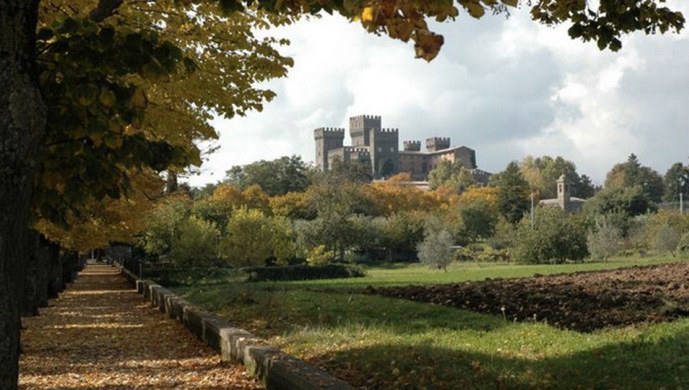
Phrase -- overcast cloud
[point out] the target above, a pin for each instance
(506, 88)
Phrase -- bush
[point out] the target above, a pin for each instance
(303, 272)
(667, 239)
(683, 245)
(435, 250)
(195, 244)
(604, 241)
(554, 237)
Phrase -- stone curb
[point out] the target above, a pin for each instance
(277, 369)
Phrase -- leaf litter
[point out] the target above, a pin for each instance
(100, 334)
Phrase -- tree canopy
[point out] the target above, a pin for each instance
(543, 172)
(276, 177)
(603, 22)
(632, 174)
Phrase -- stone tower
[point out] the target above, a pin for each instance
(327, 139)
(360, 128)
(366, 130)
(434, 144)
(563, 196)
(385, 154)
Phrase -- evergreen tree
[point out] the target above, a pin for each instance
(514, 194)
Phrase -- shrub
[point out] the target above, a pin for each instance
(435, 250)
(683, 245)
(303, 272)
(554, 237)
(604, 241)
(318, 256)
(667, 239)
(195, 244)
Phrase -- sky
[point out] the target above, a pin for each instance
(505, 87)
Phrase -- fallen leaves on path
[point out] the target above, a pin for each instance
(100, 334)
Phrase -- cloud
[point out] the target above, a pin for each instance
(504, 87)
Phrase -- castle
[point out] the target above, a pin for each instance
(378, 148)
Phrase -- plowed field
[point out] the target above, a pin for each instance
(582, 301)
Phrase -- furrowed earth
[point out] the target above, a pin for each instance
(582, 301)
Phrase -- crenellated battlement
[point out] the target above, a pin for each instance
(368, 117)
(437, 143)
(360, 151)
(412, 146)
(329, 132)
(389, 131)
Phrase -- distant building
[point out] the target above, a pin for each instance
(564, 200)
(379, 148)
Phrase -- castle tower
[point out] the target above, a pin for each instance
(563, 193)
(360, 128)
(412, 146)
(385, 154)
(437, 143)
(327, 139)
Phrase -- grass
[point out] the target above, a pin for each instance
(386, 343)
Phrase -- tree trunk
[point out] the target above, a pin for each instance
(29, 297)
(22, 125)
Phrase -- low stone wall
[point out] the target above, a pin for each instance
(277, 369)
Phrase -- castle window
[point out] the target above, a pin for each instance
(392, 149)
(380, 148)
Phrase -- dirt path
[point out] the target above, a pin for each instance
(100, 334)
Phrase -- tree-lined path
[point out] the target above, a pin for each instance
(100, 334)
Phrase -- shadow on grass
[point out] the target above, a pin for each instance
(641, 364)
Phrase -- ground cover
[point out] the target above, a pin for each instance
(101, 335)
(381, 342)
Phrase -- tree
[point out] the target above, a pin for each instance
(23, 112)
(403, 233)
(451, 174)
(676, 182)
(632, 174)
(604, 240)
(554, 237)
(543, 172)
(435, 249)
(195, 243)
(277, 177)
(513, 196)
(478, 219)
(619, 205)
(162, 224)
(250, 238)
(667, 239)
(395, 195)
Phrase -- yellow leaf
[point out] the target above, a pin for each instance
(367, 14)
(139, 99)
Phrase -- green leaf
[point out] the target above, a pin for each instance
(86, 94)
(44, 34)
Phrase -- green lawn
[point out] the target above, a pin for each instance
(387, 343)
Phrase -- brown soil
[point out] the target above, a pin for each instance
(582, 301)
(100, 334)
